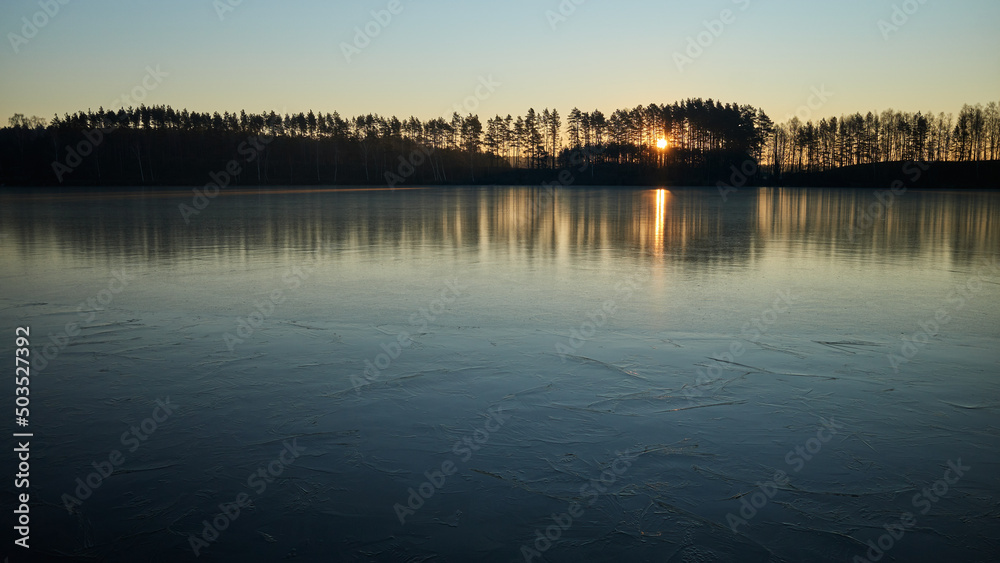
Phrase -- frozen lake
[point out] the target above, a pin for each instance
(453, 374)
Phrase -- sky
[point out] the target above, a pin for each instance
(431, 57)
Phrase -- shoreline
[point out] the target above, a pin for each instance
(970, 175)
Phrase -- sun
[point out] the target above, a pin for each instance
(661, 143)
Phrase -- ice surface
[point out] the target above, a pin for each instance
(490, 293)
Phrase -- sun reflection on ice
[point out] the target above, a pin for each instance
(661, 212)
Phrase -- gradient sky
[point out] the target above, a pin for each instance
(287, 56)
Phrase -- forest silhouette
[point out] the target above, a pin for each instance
(690, 142)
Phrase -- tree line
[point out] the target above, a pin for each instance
(889, 136)
(694, 140)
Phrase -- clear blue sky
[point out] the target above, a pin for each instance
(287, 56)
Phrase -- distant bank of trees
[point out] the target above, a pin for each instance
(973, 135)
(149, 145)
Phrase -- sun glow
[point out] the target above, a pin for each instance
(661, 143)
